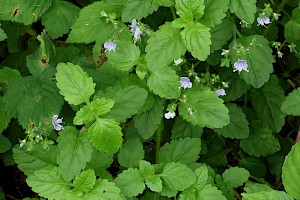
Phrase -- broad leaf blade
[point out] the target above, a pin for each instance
(48, 183)
(59, 18)
(147, 122)
(85, 181)
(261, 141)
(165, 83)
(221, 34)
(215, 11)
(208, 110)
(292, 27)
(164, 46)
(259, 59)
(291, 103)
(131, 153)
(197, 40)
(235, 177)
(290, 171)
(5, 119)
(267, 102)
(130, 182)
(32, 101)
(245, 10)
(184, 150)
(238, 127)
(23, 11)
(74, 151)
(183, 129)
(105, 135)
(74, 83)
(138, 9)
(5, 144)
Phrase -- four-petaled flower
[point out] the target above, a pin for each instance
(57, 123)
(134, 28)
(263, 21)
(169, 115)
(221, 92)
(110, 46)
(185, 82)
(241, 65)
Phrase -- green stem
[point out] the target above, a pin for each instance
(158, 140)
(173, 12)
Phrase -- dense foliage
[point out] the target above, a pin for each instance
(150, 99)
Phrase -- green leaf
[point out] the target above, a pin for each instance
(208, 110)
(74, 83)
(147, 122)
(190, 9)
(260, 54)
(90, 24)
(291, 173)
(267, 102)
(90, 112)
(238, 127)
(202, 176)
(290, 104)
(221, 34)
(99, 161)
(59, 18)
(105, 135)
(215, 11)
(165, 83)
(245, 10)
(237, 86)
(270, 195)
(5, 119)
(184, 150)
(3, 35)
(183, 129)
(5, 144)
(164, 46)
(255, 166)
(74, 150)
(235, 177)
(48, 183)
(32, 101)
(7, 77)
(292, 27)
(130, 182)
(177, 176)
(36, 158)
(208, 192)
(138, 9)
(166, 3)
(131, 153)
(154, 183)
(104, 190)
(38, 62)
(125, 57)
(85, 181)
(128, 101)
(251, 187)
(261, 141)
(146, 168)
(197, 40)
(23, 11)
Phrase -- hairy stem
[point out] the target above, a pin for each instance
(158, 140)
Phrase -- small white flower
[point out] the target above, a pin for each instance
(110, 46)
(190, 111)
(185, 82)
(263, 21)
(221, 92)
(241, 65)
(57, 123)
(178, 61)
(169, 115)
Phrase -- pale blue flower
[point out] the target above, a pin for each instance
(169, 115)
(241, 65)
(56, 122)
(110, 46)
(263, 21)
(135, 29)
(221, 92)
(185, 82)
(133, 25)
